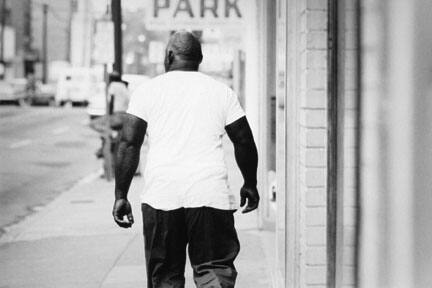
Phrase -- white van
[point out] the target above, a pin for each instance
(76, 85)
(14, 90)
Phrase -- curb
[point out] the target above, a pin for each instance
(13, 231)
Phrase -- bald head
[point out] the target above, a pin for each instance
(183, 49)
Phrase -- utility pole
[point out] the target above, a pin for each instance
(72, 6)
(29, 56)
(2, 38)
(117, 19)
(45, 43)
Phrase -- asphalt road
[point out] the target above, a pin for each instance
(43, 152)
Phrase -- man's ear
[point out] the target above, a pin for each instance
(170, 57)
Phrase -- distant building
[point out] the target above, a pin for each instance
(82, 34)
(70, 31)
(58, 19)
(19, 20)
(16, 36)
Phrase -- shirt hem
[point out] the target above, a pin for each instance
(218, 207)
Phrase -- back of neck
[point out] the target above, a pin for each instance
(183, 66)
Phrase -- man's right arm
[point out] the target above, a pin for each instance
(247, 159)
(127, 159)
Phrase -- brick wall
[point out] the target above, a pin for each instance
(307, 219)
(313, 139)
(312, 150)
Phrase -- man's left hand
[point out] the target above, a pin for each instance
(249, 193)
(121, 209)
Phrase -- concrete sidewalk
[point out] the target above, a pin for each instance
(73, 242)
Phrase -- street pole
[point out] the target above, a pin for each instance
(117, 67)
(107, 151)
(45, 43)
(117, 19)
(2, 37)
(107, 134)
(28, 53)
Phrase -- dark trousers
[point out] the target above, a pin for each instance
(212, 246)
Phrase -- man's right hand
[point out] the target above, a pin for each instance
(251, 195)
(127, 159)
(121, 209)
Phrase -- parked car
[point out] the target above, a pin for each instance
(14, 91)
(43, 94)
(76, 85)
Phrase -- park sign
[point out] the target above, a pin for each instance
(195, 14)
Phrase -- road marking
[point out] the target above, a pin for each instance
(60, 130)
(20, 144)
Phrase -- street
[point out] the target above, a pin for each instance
(44, 151)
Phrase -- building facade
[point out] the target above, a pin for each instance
(26, 18)
(58, 19)
(350, 206)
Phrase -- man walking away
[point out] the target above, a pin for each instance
(186, 198)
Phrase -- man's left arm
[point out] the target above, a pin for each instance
(127, 160)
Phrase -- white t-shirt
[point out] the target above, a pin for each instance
(186, 113)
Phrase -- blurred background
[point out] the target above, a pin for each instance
(56, 55)
(338, 95)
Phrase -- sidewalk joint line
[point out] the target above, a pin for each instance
(117, 259)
